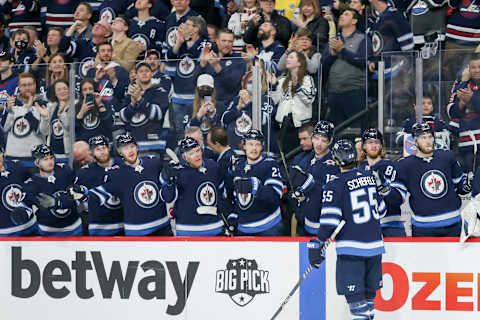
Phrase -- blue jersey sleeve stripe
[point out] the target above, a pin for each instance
(407, 47)
(405, 37)
(331, 210)
(274, 182)
(331, 221)
(279, 191)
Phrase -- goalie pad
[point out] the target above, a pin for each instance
(470, 219)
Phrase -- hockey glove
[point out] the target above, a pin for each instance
(77, 192)
(315, 256)
(20, 215)
(170, 172)
(465, 188)
(297, 176)
(299, 196)
(47, 201)
(245, 185)
(383, 184)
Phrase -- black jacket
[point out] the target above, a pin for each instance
(284, 30)
(319, 28)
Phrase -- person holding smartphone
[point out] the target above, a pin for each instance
(204, 113)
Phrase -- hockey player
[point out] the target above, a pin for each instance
(433, 178)
(353, 198)
(194, 187)
(57, 213)
(16, 219)
(258, 189)
(106, 219)
(309, 184)
(135, 182)
(384, 172)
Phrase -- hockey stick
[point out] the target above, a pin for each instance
(472, 136)
(169, 206)
(309, 269)
(172, 155)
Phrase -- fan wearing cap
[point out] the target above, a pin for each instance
(145, 114)
(384, 171)
(434, 180)
(146, 29)
(16, 218)
(57, 213)
(195, 188)
(258, 188)
(134, 181)
(204, 113)
(152, 57)
(106, 219)
(189, 44)
(8, 78)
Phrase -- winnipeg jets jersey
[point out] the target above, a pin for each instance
(320, 172)
(196, 196)
(353, 197)
(393, 200)
(150, 32)
(106, 219)
(11, 188)
(431, 182)
(62, 221)
(260, 211)
(138, 188)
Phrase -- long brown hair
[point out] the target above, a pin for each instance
(65, 68)
(314, 4)
(197, 105)
(302, 71)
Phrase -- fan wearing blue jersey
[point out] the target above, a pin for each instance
(384, 172)
(258, 189)
(352, 197)
(434, 180)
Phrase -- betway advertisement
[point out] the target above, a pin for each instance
(155, 279)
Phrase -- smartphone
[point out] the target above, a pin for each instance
(89, 98)
(207, 99)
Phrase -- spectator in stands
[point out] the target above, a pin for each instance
(208, 10)
(22, 14)
(145, 29)
(8, 79)
(239, 20)
(302, 42)
(359, 6)
(186, 51)
(25, 112)
(269, 49)
(212, 35)
(44, 53)
(226, 67)
(144, 114)
(125, 50)
(32, 31)
(464, 110)
(93, 118)
(4, 40)
(85, 50)
(294, 95)
(81, 155)
(344, 61)
(110, 9)
(24, 55)
(310, 17)
(152, 57)
(59, 13)
(110, 76)
(57, 127)
(81, 25)
(57, 69)
(268, 13)
(204, 113)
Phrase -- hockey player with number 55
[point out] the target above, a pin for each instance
(353, 198)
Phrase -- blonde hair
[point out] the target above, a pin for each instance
(314, 4)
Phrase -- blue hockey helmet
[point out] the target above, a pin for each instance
(372, 133)
(420, 128)
(99, 140)
(253, 134)
(344, 152)
(324, 128)
(187, 144)
(124, 139)
(41, 151)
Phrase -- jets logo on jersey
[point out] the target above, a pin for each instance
(60, 213)
(329, 162)
(146, 194)
(19, 10)
(206, 195)
(140, 37)
(57, 129)
(21, 127)
(186, 66)
(470, 9)
(245, 200)
(434, 184)
(377, 43)
(106, 90)
(113, 203)
(172, 36)
(91, 121)
(420, 8)
(12, 195)
(85, 65)
(3, 98)
(243, 124)
(107, 14)
(138, 119)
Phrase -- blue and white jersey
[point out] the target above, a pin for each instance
(150, 32)
(432, 184)
(353, 197)
(463, 25)
(103, 219)
(110, 9)
(62, 221)
(82, 51)
(138, 188)
(196, 196)
(320, 171)
(260, 210)
(271, 55)
(393, 200)
(11, 187)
